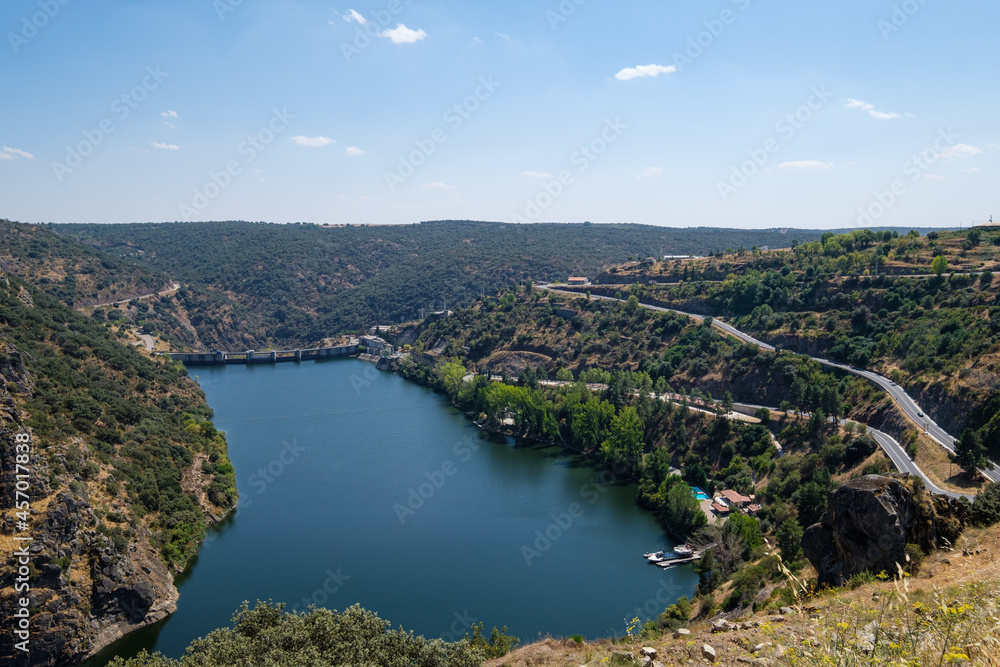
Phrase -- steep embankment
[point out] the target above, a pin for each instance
(111, 433)
(921, 310)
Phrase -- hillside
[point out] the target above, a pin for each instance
(249, 285)
(123, 469)
(929, 318)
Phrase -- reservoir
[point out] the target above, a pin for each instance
(358, 487)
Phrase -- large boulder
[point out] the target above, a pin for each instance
(867, 525)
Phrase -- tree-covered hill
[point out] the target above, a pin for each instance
(922, 310)
(76, 274)
(118, 463)
(262, 284)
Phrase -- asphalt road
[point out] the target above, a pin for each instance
(902, 399)
(173, 288)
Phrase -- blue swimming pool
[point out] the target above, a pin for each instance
(699, 494)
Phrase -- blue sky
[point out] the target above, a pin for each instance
(730, 113)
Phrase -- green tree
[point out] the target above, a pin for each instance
(624, 443)
(939, 265)
(681, 510)
(810, 499)
(970, 452)
(789, 540)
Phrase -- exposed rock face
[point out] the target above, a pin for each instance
(85, 591)
(868, 523)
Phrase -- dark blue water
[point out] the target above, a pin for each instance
(359, 487)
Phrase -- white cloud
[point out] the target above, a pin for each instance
(536, 174)
(972, 170)
(962, 150)
(354, 151)
(166, 147)
(313, 142)
(403, 35)
(169, 114)
(883, 115)
(9, 153)
(437, 186)
(993, 146)
(870, 108)
(505, 36)
(806, 165)
(353, 15)
(630, 73)
(477, 42)
(935, 177)
(651, 172)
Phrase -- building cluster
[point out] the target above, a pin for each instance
(377, 346)
(728, 502)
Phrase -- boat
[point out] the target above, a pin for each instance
(660, 556)
(684, 550)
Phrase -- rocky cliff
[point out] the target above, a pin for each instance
(78, 539)
(869, 522)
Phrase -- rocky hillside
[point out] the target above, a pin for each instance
(95, 440)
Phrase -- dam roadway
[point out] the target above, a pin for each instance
(905, 402)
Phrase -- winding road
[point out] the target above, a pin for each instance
(892, 448)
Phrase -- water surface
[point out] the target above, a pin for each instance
(359, 487)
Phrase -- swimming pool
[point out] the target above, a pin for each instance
(698, 493)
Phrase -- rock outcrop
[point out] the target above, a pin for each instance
(870, 520)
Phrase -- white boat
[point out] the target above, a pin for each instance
(683, 550)
(660, 556)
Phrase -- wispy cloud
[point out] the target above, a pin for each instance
(477, 42)
(870, 108)
(651, 172)
(165, 147)
(9, 153)
(504, 35)
(536, 174)
(169, 114)
(437, 185)
(972, 170)
(403, 35)
(962, 150)
(630, 73)
(354, 151)
(806, 165)
(993, 146)
(313, 142)
(935, 177)
(353, 15)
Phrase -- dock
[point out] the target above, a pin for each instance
(667, 564)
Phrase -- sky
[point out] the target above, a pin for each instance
(722, 113)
